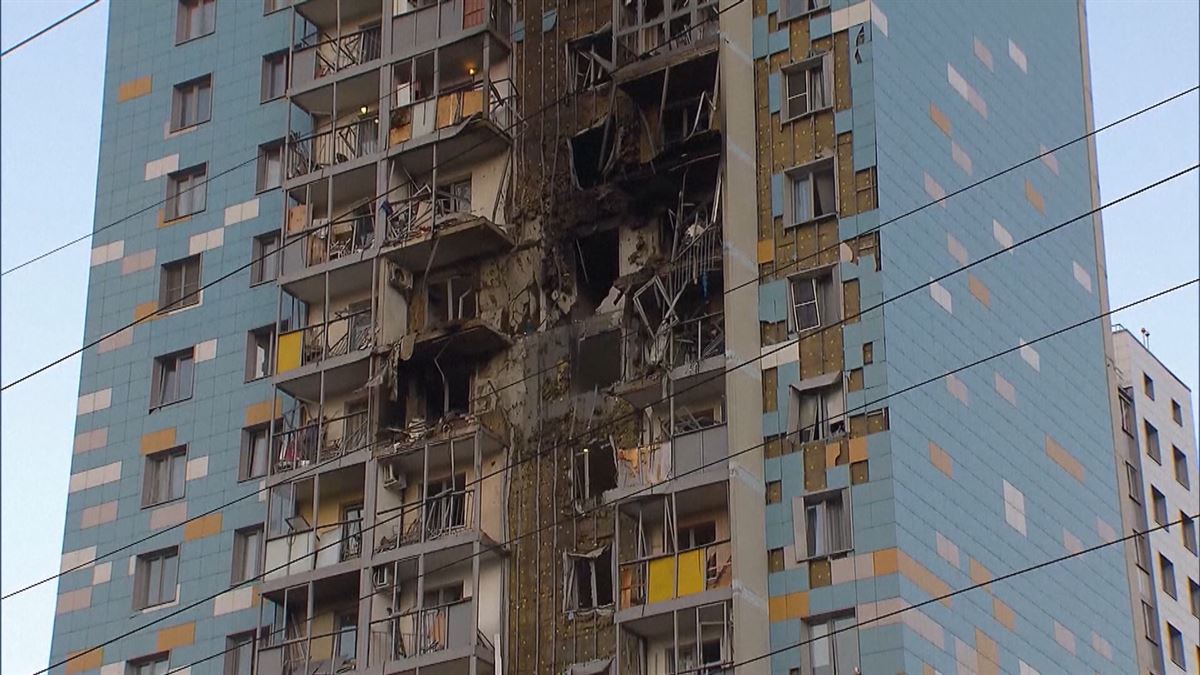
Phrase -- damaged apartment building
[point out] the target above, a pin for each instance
(577, 362)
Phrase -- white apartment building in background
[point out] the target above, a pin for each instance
(1162, 485)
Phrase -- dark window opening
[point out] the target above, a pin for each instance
(597, 266)
(598, 362)
(448, 390)
(595, 470)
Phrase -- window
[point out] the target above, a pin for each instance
(1133, 477)
(1194, 595)
(696, 536)
(816, 413)
(274, 5)
(186, 192)
(1175, 644)
(708, 660)
(831, 652)
(815, 301)
(1150, 622)
(158, 664)
(806, 87)
(454, 197)
(1189, 532)
(173, 378)
(165, 476)
(589, 61)
(1159, 501)
(179, 283)
(255, 452)
(264, 260)
(824, 524)
(1148, 386)
(1176, 412)
(239, 654)
(595, 470)
(790, 9)
(247, 554)
(1166, 570)
(589, 580)
(450, 299)
(196, 18)
(1140, 547)
(270, 165)
(274, 76)
(1181, 468)
(347, 635)
(260, 344)
(1152, 447)
(1126, 414)
(155, 577)
(812, 193)
(191, 103)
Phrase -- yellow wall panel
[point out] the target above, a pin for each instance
(288, 355)
(661, 585)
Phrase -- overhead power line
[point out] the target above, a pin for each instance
(47, 29)
(903, 294)
(606, 504)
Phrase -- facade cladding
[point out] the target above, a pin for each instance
(1158, 487)
(525, 390)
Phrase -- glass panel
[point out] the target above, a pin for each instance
(185, 377)
(801, 199)
(178, 467)
(170, 568)
(820, 647)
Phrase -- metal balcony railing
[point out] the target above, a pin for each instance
(652, 464)
(697, 339)
(425, 631)
(320, 441)
(414, 119)
(436, 517)
(326, 242)
(675, 575)
(340, 336)
(327, 54)
(344, 142)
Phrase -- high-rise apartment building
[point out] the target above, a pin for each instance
(560, 350)
(1159, 488)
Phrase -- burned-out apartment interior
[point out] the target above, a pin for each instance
(500, 436)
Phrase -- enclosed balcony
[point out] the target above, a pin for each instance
(322, 54)
(687, 459)
(652, 31)
(436, 228)
(314, 527)
(329, 356)
(334, 127)
(674, 552)
(319, 440)
(310, 628)
(419, 25)
(695, 640)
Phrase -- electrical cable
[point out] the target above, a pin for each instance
(49, 28)
(367, 529)
(702, 467)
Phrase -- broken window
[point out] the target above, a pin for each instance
(455, 197)
(823, 524)
(590, 60)
(597, 264)
(447, 389)
(697, 536)
(591, 153)
(816, 411)
(598, 362)
(814, 300)
(587, 580)
(450, 299)
(682, 118)
(707, 660)
(594, 471)
(446, 505)
(812, 193)
(791, 9)
(806, 87)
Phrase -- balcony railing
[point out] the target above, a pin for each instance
(344, 142)
(320, 441)
(419, 24)
(320, 55)
(652, 464)
(697, 339)
(673, 575)
(425, 631)
(326, 242)
(414, 119)
(322, 653)
(311, 344)
(682, 24)
(436, 517)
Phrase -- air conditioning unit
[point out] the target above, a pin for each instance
(392, 479)
(381, 577)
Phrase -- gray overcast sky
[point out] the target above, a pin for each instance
(50, 98)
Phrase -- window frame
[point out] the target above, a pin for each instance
(1157, 498)
(823, 63)
(182, 21)
(234, 644)
(826, 298)
(158, 384)
(1148, 386)
(262, 182)
(253, 338)
(587, 69)
(785, 13)
(188, 294)
(1188, 533)
(186, 98)
(135, 666)
(267, 91)
(1150, 623)
(246, 458)
(1153, 442)
(241, 537)
(141, 581)
(1175, 640)
(801, 508)
(1194, 596)
(171, 458)
(1180, 465)
(1166, 573)
(830, 624)
(1133, 479)
(261, 261)
(190, 184)
(807, 173)
(572, 597)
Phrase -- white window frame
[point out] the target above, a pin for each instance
(270, 166)
(815, 75)
(144, 571)
(248, 546)
(821, 638)
(571, 595)
(246, 463)
(274, 76)
(820, 420)
(826, 298)
(176, 290)
(165, 474)
(461, 293)
(817, 505)
(802, 180)
(187, 192)
(175, 360)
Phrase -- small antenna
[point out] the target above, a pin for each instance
(1146, 338)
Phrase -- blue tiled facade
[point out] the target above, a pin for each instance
(144, 64)
(1008, 463)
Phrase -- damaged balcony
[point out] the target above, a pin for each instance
(310, 628)
(334, 126)
(303, 439)
(659, 32)
(448, 326)
(327, 358)
(694, 456)
(694, 640)
(446, 222)
(334, 222)
(314, 528)
(674, 553)
(456, 101)
(419, 25)
(435, 616)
